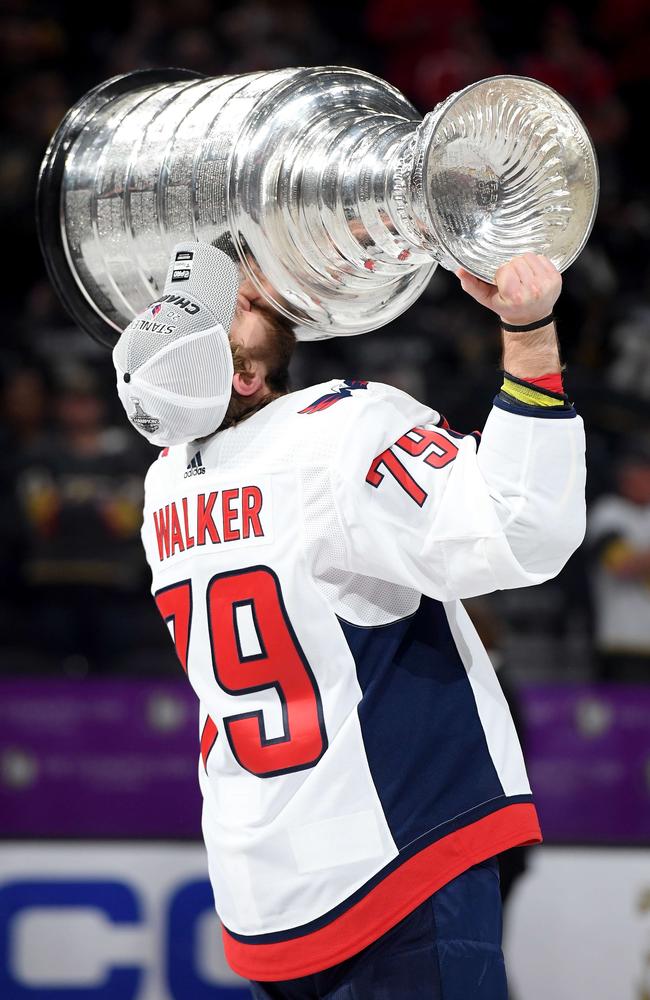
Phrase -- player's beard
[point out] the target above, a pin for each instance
(275, 352)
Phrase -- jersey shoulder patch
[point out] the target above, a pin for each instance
(340, 391)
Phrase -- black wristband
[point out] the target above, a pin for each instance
(528, 327)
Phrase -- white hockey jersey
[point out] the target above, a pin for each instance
(356, 750)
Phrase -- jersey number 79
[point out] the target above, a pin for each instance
(415, 442)
(254, 597)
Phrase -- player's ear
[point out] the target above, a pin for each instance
(247, 383)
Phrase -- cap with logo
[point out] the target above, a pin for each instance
(173, 362)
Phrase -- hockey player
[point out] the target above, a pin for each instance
(309, 550)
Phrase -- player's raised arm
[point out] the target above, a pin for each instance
(541, 500)
(438, 513)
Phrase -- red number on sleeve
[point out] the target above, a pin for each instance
(392, 464)
(415, 442)
(443, 451)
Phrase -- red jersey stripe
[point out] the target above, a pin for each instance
(389, 902)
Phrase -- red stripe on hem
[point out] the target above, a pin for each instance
(389, 902)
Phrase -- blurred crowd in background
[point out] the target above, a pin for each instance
(74, 588)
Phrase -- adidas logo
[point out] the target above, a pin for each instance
(195, 467)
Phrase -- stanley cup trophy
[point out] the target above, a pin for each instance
(325, 183)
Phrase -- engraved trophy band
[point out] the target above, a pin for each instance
(337, 198)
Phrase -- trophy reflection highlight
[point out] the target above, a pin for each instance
(324, 182)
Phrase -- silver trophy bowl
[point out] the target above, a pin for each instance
(336, 197)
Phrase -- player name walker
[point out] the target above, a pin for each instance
(209, 519)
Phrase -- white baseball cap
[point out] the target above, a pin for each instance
(173, 362)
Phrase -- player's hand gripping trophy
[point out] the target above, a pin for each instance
(324, 183)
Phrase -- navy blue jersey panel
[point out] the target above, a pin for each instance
(423, 737)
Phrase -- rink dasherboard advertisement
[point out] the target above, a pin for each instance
(83, 921)
(136, 921)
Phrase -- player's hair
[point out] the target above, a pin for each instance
(275, 352)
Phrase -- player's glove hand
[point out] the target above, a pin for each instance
(525, 289)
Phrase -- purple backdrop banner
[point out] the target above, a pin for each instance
(119, 758)
(99, 758)
(588, 754)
